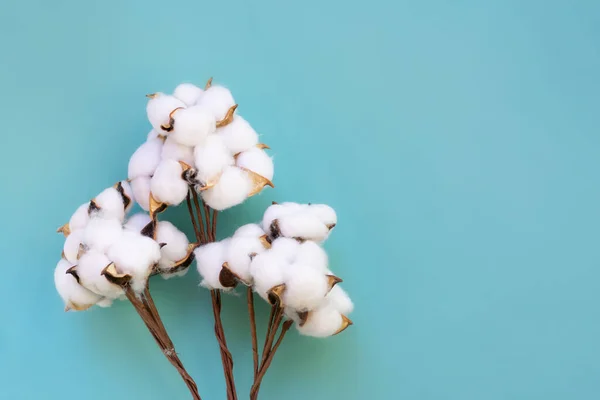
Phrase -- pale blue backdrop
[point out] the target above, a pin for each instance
(458, 141)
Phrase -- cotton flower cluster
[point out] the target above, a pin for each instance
(198, 141)
(104, 253)
(283, 261)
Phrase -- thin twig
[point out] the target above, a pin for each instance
(207, 221)
(277, 313)
(199, 213)
(250, 298)
(226, 358)
(192, 217)
(214, 224)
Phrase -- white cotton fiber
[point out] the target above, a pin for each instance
(90, 268)
(177, 274)
(100, 234)
(145, 159)
(71, 246)
(313, 255)
(167, 185)
(176, 247)
(231, 189)
(286, 248)
(238, 255)
(172, 150)
(188, 93)
(256, 160)
(238, 135)
(339, 299)
(111, 204)
(104, 303)
(322, 322)
(135, 254)
(159, 108)
(152, 134)
(325, 213)
(266, 270)
(211, 158)
(192, 126)
(128, 193)
(74, 295)
(209, 260)
(302, 226)
(80, 218)
(305, 287)
(218, 100)
(276, 211)
(251, 230)
(141, 191)
(137, 222)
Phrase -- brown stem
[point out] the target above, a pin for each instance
(199, 213)
(263, 370)
(250, 298)
(192, 217)
(214, 224)
(151, 318)
(275, 320)
(207, 221)
(226, 358)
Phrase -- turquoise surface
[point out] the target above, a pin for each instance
(457, 140)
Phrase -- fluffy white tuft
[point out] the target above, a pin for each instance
(322, 322)
(305, 287)
(313, 255)
(167, 185)
(218, 100)
(176, 244)
(211, 158)
(141, 191)
(231, 189)
(209, 260)
(90, 268)
(72, 293)
(152, 134)
(175, 274)
(339, 299)
(276, 211)
(192, 126)
(251, 230)
(100, 234)
(71, 246)
(135, 254)
(325, 213)
(111, 204)
(80, 218)
(137, 222)
(238, 135)
(238, 255)
(286, 247)
(145, 159)
(172, 150)
(256, 160)
(104, 303)
(188, 93)
(303, 226)
(159, 108)
(267, 271)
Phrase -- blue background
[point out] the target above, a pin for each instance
(457, 140)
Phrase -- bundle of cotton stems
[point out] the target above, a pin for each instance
(282, 260)
(107, 256)
(200, 150)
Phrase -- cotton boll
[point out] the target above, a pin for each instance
(339, 299)
(325, 213)
(137, 222)
(266, 270)
(126, 192)
(238, 255)
(80, 218)
(218, 100)
(72, 245)
(104, 303)
(313, 255)
(238, 135)
(276, 211)
(145, 159)
(286, 248)
(209, 260)
(305, 287)
(250, 230)
(111, 204)
(256, 160)
(100, 234)
(176, 247)
(322, 322)
(172, 150)
(188, 93)
(231, 189)
(141, 191)
(167, 185)
(90, 268)
(135, 255)
(152, 134)
(192, 125)
(74, 295)
(159, 109)
(302, 226)
(211, 158)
